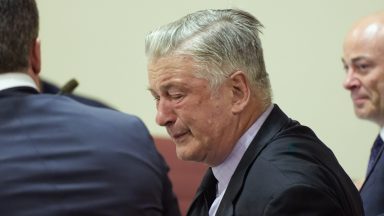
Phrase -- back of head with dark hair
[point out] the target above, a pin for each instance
(19, 27)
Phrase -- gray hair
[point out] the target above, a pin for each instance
(220, 42)
(19, 27)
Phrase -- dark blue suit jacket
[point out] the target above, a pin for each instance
(286, 171)
(60, 157)
(372, 191)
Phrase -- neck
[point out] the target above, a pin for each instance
(252, 113)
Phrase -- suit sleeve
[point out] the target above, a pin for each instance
(169, 199)
(303, 200)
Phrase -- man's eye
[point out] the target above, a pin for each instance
(156, 98)
(176, 96)
(362, 66)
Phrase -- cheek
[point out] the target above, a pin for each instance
(217, 121)
(376, 90)
(380, 86)
(374, 81)
(205, 116)
(204, 125)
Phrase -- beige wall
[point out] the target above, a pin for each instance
(101, 43)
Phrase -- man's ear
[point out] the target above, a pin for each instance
(35, 58)
(241, 91)
(34, 61)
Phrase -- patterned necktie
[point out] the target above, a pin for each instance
(374, 152)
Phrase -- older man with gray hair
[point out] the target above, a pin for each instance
(206, 72)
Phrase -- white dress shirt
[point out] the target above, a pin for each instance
(223, 172)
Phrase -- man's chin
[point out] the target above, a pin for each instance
(185, 154)
(184, 157)
(363, 114)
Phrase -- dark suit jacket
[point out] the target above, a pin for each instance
(372, 191)
(286, 170)
(60, 157)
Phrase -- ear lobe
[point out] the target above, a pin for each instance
(241, 91)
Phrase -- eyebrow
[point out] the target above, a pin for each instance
(151, 90)
(343, 60)
(164, 88)
(356, 59)
(359, 58)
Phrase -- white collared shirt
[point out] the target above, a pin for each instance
(223, 172)
(16, 79)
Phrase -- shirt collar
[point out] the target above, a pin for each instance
(16, 79)
(382, 133)
(224, 171)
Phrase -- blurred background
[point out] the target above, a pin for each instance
(101, 44)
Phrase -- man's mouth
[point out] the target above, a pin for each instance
(178, 135)
(358, 100)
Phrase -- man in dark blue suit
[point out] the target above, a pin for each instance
(206, 72)
(60, 157)
(364, 65)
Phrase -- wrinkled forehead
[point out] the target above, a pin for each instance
(170, 68)
(173, 63)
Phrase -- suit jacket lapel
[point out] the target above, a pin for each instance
(273, 124)
(373, 167)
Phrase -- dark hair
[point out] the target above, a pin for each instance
(19, 27)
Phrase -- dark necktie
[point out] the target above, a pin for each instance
(205, 196)
(210, 193)
(374, 153)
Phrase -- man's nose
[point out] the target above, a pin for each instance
(165, 113)
(351, 80)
